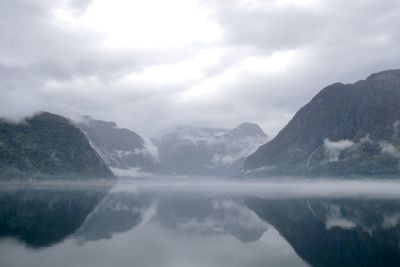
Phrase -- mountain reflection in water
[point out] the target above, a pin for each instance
(151, 225)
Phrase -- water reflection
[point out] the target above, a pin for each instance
(184, 213)
(152, 227)
(116, 213)
(337, 232)
(41, 217)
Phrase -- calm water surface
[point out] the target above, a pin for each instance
(183, 222)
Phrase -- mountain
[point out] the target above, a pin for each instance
(120, 148)
(206, 151)
(47, 145)
(346, 129)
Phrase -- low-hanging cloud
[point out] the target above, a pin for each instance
(389, 149)
(334, 148)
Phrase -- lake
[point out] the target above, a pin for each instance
(200, 222)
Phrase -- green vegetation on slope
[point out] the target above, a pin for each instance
(47, 145)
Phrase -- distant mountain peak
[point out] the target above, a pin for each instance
(208, 151)
(91, 121)
(197, 131)
(248, 129)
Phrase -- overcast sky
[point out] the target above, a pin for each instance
(152, 64)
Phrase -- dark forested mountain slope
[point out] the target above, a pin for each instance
(346, 129)
(47, 144)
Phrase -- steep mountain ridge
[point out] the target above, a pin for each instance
(120, 148)
(47, 145)
(346, 129)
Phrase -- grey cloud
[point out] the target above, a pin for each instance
(270, 28)
(335, 40)
(342, 41)
(36, 51)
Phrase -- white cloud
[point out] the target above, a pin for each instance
(151, 23)
(389, 149)
(336, 219)
(339, 223)
(333, 148)
(131, 173)
(151, 148)
(234, 151)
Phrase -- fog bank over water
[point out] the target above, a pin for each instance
(275, 188)
(272, 187)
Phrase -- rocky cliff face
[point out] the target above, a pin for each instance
(346, 129)
(47, 145)
(120, 148)
(204, 151)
